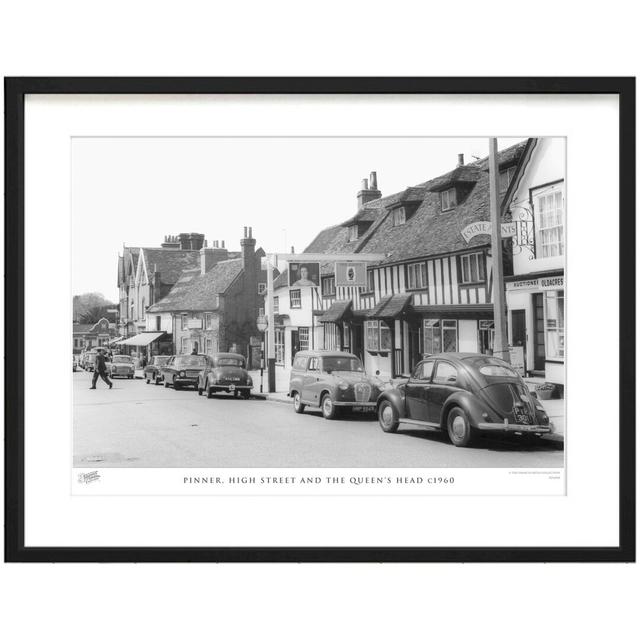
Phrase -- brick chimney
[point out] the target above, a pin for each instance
(369, 190)
(197, 240)
(210, 256)
(250, 267)
(461, 159)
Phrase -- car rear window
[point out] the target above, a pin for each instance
(338, 363)
(300, 362)
(190, 361)
(497, 370)
(229, 362)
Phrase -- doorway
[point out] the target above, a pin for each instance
(538, 332)
(295, 343)
(519, 331)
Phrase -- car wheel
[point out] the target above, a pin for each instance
(148, 381)
(209, 392)
(329, 410)
(458, 428)
(156, 380)
(298, 407)
(388, 417)
(166, 384)
(176, 386)
(199, 391)
(246, 394)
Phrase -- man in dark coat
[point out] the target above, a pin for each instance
(100, 370)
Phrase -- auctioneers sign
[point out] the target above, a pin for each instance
(483, 227)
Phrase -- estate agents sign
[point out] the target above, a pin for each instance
(483, 227)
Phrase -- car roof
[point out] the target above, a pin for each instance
(226, 353)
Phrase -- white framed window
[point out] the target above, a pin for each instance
(331, 336)
(417, 275)
(329, 286)
(448, 199)
(472, 268)
(279, 345)
(554, 324)
(262, 287)
(370, 281)
(440, 335)
(208, 320)
(295, 299)
(353, 233)
(184, 344)
(276, 304)
(506, 175)
(303, 338)
(399, 217)
(549, 206)
(183, 322)
(377, 336)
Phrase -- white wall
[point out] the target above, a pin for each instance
(468, 335)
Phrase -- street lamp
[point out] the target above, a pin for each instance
(262, 323)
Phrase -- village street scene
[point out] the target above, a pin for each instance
(425, 329)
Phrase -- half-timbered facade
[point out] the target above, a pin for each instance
(433, 291)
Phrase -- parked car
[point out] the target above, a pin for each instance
(153, 371)
(88, 360)
(122, 366)
(75, 364)
(225, 372)
(332, 381)
(463, 394)
(183, 371)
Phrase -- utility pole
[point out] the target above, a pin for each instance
(271, 332)
(500, 343)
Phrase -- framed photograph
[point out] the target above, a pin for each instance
(320, 319)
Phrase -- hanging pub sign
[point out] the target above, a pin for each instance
(351, 274)
(304, 274)
(507, 229)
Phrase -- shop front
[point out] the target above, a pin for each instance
(536, 304)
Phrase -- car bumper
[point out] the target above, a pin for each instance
(230, 387)
(179, 380)
(344, 403)
(516, 428)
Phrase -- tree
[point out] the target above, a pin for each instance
(86, 304)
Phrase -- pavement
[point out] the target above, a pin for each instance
(140, 425)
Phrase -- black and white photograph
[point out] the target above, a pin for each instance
(360, 323)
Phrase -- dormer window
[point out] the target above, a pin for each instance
(399, 217)
(353, 233)
(506, 175)
(448, 199)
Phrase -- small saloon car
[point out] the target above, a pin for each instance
(463, 394)
(152, 372)
(183, 370)
(225, 372)
(332, 381)
(121, 366)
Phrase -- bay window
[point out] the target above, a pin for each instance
(377, 336)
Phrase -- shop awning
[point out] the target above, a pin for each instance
(337, 312)
(390, 307)
(116, 340)
(454, 311)
(142, 339)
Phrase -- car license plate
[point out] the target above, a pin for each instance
(364, 409)
(521, 416)
(232, 387)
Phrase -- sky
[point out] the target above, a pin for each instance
(134, 191)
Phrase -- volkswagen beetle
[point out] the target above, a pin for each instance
(332, 381)
(463, 394)
(225, 372)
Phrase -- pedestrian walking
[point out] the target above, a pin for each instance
(100, 369)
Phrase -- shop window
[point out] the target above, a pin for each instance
(486, 336)
(329, 286)
(378, 336)
(440, 335)
(472, 267)
(295, 299)
(303, 338)
(448, 199)
(417, 276)
(554, 323)
(279, 345)
(550, 223)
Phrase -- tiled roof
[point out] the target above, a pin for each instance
(391, 307)
(170, 263)
(337, 311)
(195, 292)
(282, 280)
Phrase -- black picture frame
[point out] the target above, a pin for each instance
(15, 91)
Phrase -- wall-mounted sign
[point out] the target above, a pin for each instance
(516, 356)
(483, 227)
(304, 274)
(553, 282)
(351, 274)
